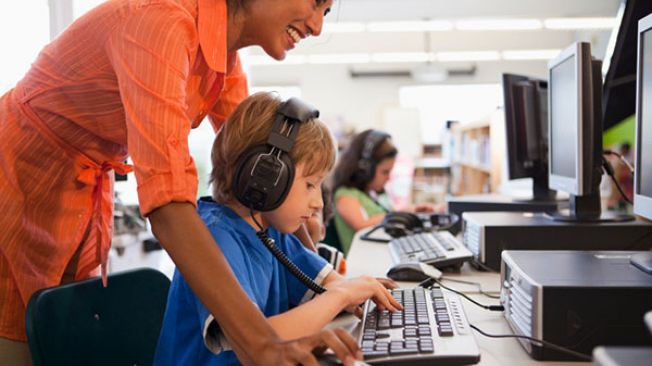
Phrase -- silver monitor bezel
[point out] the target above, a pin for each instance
(642, 203)
(575, 185)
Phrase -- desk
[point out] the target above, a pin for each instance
(374, 259)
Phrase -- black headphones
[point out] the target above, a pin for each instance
(264, 173)
(398, 224)
(367, 165)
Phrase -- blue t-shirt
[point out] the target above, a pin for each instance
(190, 335)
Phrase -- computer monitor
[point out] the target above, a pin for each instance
(643, 151)
(526, 125)
(619, 90)
(575, 125)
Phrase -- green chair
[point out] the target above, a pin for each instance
(332, 238)
(83, 323)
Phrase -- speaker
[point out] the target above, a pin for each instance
(367, 165)
(264, 173)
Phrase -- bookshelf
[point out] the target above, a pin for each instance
(477, 156)
(431, 177)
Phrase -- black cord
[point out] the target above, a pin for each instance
(285, 261)
(366, 236)
(430, 282)
(622, 158)
(608, 168)
(476, 284)
(540, 342)
(482, 266)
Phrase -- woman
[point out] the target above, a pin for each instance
(359, 184)
(132, 77)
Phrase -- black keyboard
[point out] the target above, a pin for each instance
(431, 329)
(439, 249)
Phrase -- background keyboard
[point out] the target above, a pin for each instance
(438, 248)
(432, 329)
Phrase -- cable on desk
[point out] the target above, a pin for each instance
(482, 266)
(476, 284)
(539, 342)
(429, 283)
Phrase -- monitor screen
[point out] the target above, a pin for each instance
(563, 118)
(644, 166)
(526, 125)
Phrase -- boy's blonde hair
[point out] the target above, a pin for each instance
(250, 125)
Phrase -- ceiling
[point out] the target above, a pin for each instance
(438, 44)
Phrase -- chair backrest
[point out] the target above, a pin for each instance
(332, 238)
(83, 323)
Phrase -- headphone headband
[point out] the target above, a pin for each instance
(367, 164)
(371, 143)
(293, 111)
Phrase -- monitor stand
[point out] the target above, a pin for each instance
(643, 261)
(587, 209)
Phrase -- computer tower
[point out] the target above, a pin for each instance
(487, 234)
(574, 299)
(497, 202)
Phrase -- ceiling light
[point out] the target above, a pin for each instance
(469, 56)
(343, 58)
(498, 24)
(401, 57)
(429, 73)
(410, 26)
(580, 23)
(343, 27)
(530, 54)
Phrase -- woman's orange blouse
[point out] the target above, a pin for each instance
(131, 77)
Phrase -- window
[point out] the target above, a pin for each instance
(24, 30)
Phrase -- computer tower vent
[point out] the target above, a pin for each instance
(519, 307)
(472, 238)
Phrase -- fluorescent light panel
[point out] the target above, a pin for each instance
(410, 26)
(344, 27)
(498, 24)
(469, 56)
(388, 57)
(579, 23)
(471, 25)
(518, 55)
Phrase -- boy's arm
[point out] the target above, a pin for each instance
(185, 237)
(309, 317)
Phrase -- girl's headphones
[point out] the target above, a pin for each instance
(367, 164)
(264, 173)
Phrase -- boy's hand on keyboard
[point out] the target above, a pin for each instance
(358, 290)
(387, 282)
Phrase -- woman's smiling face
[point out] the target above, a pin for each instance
(278, 25)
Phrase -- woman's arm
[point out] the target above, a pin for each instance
(187, 240)
(354, 214)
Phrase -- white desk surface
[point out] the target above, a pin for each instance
(373, 259)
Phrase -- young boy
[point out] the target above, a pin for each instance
(190, 335)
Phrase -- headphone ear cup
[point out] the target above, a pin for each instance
(365, 172)
(261, 181)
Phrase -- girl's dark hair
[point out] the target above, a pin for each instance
(347, 163)
(327, 211)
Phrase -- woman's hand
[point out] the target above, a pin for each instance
(302, 351)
